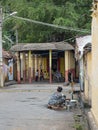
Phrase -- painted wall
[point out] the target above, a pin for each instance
(9, 70)
(5, 70)
(45, 62)
(88, 77)
(95, 63)
(69, 63)
(62, 65)
(72, 62)
(77, 70)
(39, 62)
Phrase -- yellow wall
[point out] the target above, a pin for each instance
(39, 62)
(71, 60)
(62, 65)
(87, 77)
(95, 64)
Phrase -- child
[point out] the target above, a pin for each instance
(41, 75)
(36, 76)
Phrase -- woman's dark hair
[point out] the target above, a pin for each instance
(59, 89)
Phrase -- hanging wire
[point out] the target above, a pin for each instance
(52, 25)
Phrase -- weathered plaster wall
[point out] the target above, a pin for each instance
(95, 64)
(88, 77)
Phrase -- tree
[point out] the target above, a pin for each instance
(75, 16)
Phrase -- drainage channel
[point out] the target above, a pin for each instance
(81, 120)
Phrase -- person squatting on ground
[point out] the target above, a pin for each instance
(57, 99)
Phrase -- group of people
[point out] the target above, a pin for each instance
(37, 75)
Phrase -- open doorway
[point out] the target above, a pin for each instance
(54, 65)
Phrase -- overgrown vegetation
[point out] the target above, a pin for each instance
(78, 124)
(75, 16)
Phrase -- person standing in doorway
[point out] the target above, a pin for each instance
(41, 75)
(70, 79)
(36, 75)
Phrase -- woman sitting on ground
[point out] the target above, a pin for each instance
(57, 99)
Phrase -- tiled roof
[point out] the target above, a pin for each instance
(42, 46)
(7, 54)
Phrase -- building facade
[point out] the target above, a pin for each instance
(48, 57)
(94, 109)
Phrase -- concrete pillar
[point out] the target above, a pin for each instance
(18, 68)
(39, 64)
(66, 65)
(29, 69)
(21, 65)
(1, 57)
(24, 68)
(35, 63)
(33, 67)
(50, 66)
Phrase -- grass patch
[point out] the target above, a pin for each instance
(78, 125)
(86, 105)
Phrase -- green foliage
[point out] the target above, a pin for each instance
(63, 13)
(78, 127)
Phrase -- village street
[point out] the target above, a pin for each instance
(24, 107)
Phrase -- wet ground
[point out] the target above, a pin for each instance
(24, 107)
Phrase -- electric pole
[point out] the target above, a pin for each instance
(1, 58)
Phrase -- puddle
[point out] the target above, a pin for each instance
(32, 104)
(24, 100)
(32, 98)
(28, 99)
